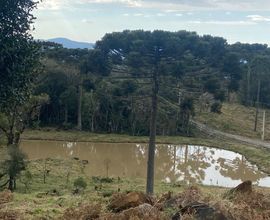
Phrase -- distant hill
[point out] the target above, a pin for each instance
(67, 43)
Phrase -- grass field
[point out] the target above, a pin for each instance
(236, 119)
(50, 199)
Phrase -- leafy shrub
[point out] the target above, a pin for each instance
(80, 183)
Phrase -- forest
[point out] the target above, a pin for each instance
(109, 88)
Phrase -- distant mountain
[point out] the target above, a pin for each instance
(67, 43)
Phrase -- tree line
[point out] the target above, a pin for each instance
(108, 89)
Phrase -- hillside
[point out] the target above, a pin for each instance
(236, 119)
(71, 44)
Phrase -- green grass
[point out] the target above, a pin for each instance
(236, 119)
(40, 201)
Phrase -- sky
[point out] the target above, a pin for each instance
(246, 21)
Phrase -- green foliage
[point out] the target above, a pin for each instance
(19, 64)
(18, 52)
(80, 183)
(216, 107)
(13, 165)
(116, 79)
(16, 162)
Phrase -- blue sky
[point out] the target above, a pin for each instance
(247, 21)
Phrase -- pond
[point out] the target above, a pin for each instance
(187, 163)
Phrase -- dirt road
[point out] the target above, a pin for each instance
(216, 133)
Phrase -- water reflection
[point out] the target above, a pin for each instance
(191, 164)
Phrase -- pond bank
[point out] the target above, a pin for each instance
(257, 156)
(49, 198)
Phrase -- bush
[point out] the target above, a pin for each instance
(80, 183)
(216, 107)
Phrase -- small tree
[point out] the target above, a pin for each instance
(14, 165)
(19, 59)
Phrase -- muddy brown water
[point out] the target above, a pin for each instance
(188, 163)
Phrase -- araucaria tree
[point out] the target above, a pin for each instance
(18, 66)
(145, 55)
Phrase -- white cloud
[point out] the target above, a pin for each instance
(52, 4)
(126, 14)
(169, 6)
(138, 14)
(171, 11)
(160, 14)
(147, 16)
(223, 22)
(258, 18)
(87, 21)
(179, 15)
(130, 3)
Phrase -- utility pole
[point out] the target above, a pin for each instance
(257, 105)
(153, 126)
(263, 126)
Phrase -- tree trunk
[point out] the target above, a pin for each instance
(248, 87)
(79, 119)
(257, 105)
(10, 139)
(66, 114)
(12, 184)
(152, 139)
(92, 122)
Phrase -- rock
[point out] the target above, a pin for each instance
(85, 162)
(245, 187)
(121, 202)
(242, 188)
(200, 211)
(176, 216)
